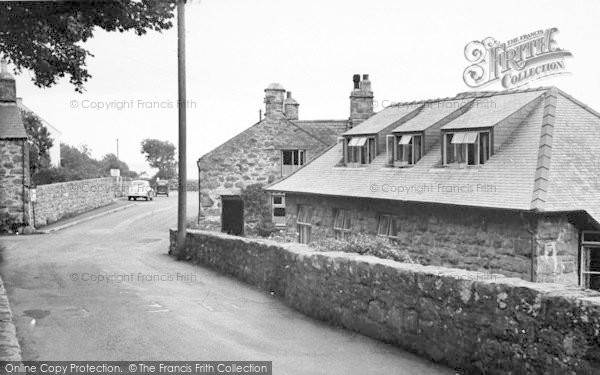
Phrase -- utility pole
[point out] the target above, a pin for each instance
(117, 148)
(181, 202)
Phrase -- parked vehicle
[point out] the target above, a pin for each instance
(140, 189)
(162, 187)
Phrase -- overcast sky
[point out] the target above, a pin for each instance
(235, 48)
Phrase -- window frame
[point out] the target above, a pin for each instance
(342, 232)
(358, 156)
(586, 248)
(281, 205)
(388, 225)
(461, 151)
(298, 159)
(304, 228)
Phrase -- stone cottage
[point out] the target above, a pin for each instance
(276, 146)
(14, 156)
(505, 182)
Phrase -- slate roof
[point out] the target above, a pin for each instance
(383, 119)
(431, 114)
(488, 111)
(11, 125)
(324, 130)
(550, 162)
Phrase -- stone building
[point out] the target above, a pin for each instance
(505, 182)
(14, 157)
(276, 146)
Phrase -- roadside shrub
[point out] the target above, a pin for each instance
(256, 204)
(9, 223)
(266, 229)
(365, 245)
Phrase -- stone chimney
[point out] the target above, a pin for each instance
(291, 107)
(361, 100)
(274, 94)
(8, 89)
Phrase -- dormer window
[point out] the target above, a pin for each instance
(360, 151)
(466, 148)
(404, 150)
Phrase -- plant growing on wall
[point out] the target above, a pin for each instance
(366, 245)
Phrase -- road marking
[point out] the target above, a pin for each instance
(207, 307)
(158, 311)
(236, 306)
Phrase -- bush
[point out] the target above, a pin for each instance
(256, 204)
(9, 223)
(364, 244)
(266, 229)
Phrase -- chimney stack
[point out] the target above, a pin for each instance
(8, 89)
(361, 100)
(274, 100)
(291, 107)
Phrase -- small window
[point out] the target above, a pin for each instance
(278, 209)
(466, 148)
(341, 223)
(388, 226)
(409, 149)
(291, 160)
(303, 224)
(360, 151)
(590, 267)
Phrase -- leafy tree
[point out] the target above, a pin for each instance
(161, 155)
(46, 36)
(110, 161)
(79, 163)
(39, 142)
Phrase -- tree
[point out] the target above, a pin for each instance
(161, 155)
(46, 36)
(110, 161)
(39, 142)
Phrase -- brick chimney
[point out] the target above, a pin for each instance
(361, 100)
(291, 107)
(8, 89)
(274, 94)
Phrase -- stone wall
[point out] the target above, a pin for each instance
(492, 325)
(557, 247)
(477, 239)
(462, 237)
(56, 201)
(14, 180)
(253, 156)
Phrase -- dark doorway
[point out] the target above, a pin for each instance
(232, 215)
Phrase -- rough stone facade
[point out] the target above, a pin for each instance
(478, 239)
(253, 156)
(14, 180)
(493, 325)
(56, 201)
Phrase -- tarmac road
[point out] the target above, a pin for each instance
(107, 290)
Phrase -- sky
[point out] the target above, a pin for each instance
(236, 48)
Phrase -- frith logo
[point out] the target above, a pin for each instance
(514, 63)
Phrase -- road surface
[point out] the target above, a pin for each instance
(107, 290)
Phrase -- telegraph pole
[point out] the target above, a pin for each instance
(181, 203)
